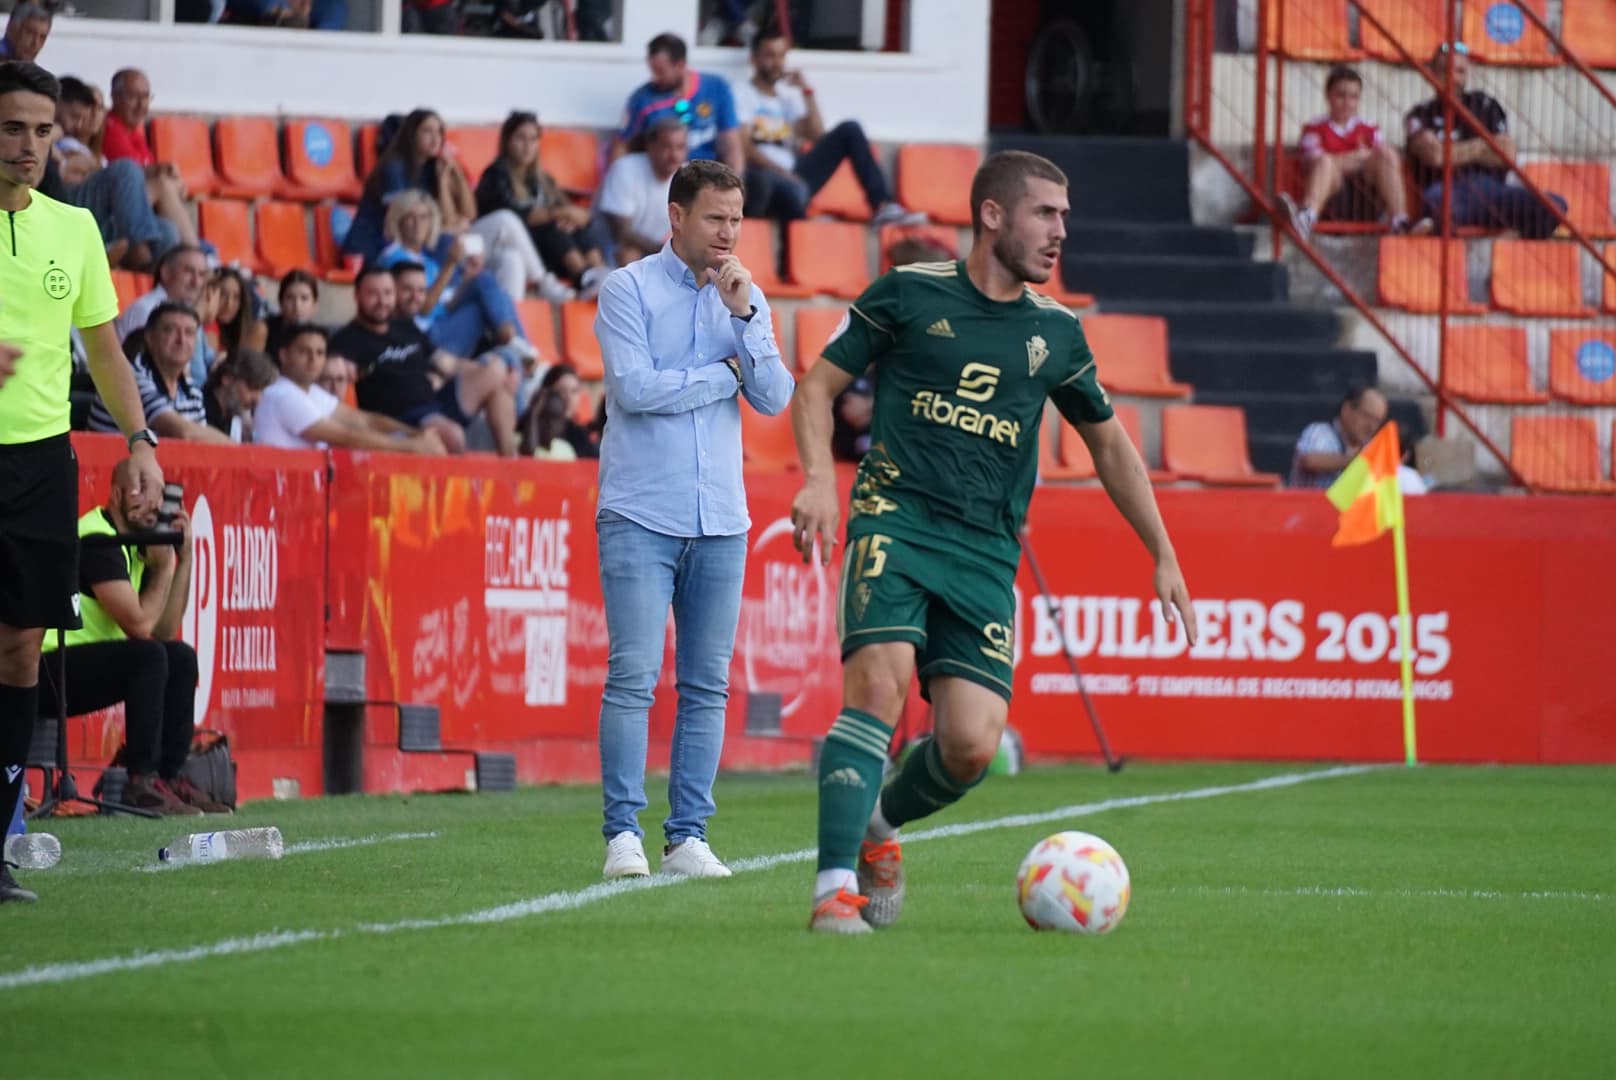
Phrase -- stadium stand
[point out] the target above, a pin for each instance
(1586, 187)
(475, 147)
(1500, 34)
(225, 223)
(1487, 362)
(828, 257)
(249, 164)
(1538, 277)
(1418, 25)
(1590, 27)
(1208, 443)
(572, 157)
(1582, 365)
(328, 255)
(282, 236)
(936, 180)
(1310, 30)
(187, 144)
(768, 440)
(1558, 453)
(1412, 274)
(841, 196)
(813, 330)
(538, 322)
(1132, 354)
(756, 249)
(319, 159)
(582, 347)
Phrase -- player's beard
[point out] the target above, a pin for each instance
(1016, 256)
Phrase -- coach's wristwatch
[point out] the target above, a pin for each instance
(145, 435)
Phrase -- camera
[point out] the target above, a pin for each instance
(173, 503)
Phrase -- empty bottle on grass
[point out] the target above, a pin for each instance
(262, 843)
(33, 851)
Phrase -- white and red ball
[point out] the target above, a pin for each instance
(1073, 881)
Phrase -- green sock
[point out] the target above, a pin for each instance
(850, 765)
(921, 787)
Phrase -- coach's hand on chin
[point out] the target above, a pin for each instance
(734, 283)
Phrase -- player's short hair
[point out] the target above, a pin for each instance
(76, 91)
(20, 75)
(694, 177)
(1003, 178)
(399, 269)
(670, 45)
(1342, 73)
(167, 308)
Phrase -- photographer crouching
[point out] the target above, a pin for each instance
(132, 602)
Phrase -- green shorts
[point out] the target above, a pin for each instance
(958, 612)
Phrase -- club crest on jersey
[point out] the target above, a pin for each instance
(1037, 353)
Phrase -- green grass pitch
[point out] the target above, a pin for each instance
(1389, 923)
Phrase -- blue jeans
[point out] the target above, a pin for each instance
(116, 197)
(1487, 202)
(480, 307)
(786, 198)
(641, 573)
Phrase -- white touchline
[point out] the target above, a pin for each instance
(303, 847)
(577, 898)
(1410, 894)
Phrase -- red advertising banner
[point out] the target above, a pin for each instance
(256, 612)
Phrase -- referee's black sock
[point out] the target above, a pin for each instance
(18, 708)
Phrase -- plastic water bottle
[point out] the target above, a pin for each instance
(33, 851)
(264, 843)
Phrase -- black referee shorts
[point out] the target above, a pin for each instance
(39, 534)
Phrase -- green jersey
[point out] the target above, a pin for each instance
(53, 276)
(960, 386)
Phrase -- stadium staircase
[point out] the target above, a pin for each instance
(1234, 334)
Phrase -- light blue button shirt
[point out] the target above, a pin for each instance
(670, 457)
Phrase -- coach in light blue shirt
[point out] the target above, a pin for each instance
(685, 335)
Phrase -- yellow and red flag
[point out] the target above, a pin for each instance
(1366, 492)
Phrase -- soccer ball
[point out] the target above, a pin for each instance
(1075, 882)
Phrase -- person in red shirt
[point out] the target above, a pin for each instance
(1350, 173)
(124, 136)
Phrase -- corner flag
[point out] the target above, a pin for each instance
(1370, 502)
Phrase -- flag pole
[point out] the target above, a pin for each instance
(1405, 638)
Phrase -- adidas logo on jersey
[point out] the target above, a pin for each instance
(940, 328)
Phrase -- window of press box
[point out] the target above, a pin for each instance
(847, 25)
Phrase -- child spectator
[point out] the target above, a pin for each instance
(299, 299)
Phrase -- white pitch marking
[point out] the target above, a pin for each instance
(303, 847)
(570, 900)
(1412, 894)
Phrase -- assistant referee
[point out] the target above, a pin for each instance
(53, 276)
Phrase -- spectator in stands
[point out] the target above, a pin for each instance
(297, 413)
(404, 376)
(1480, 195)
(338, 376)
(170, 398)
(117, 194)
(430, 17)
(1409, 479)
(236, 321)
(634, 195)
(288, 14)
(560, 230)
(463, 306)
(778, 112)
(124, 136)
(518, 19)
(548, 428)
(701, 101)
(232, 391)
(299, 299)
(26, 31)
(1349, 172)
(182, 276)
(415, 158)
(129, 650)
(1327, 447)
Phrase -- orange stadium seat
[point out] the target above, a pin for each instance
(475, 148)
(327, 252)
(1487, 363)
(1062, 453)
(1538, 277)
(248, 157)
(583, 409)
(225, 224)
(756, 250)
(538, 322)
(1589, 27)
(1586, 187)
(1311, 30)
(319, 159)
(1418, 25)
(130, 286)
(828, 257)
(1208, 443)
(185, 143)
(1410, 269)
(767, 440)
(937, 180)
(841, 196)
(1609, 291)
(1582, 365)
(814, 327)
(283, 237)
(1132, 353)
(365, 151)
(572, 156)
(579, 341)
(1498, 33)
(1073, 453)
(1559, 453)
(942, 236)
(1128, 415)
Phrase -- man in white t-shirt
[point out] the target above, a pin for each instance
(634, 194)
(297, 414)
(778, 113)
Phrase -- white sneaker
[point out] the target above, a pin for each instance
(892, 213)
(693, 858)
(590, 283)
(625, 857)
(555, 290)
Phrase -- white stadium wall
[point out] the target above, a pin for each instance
(937, 91)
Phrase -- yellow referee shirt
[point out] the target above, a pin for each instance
(53, 275)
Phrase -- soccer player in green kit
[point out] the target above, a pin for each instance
(965, 355)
